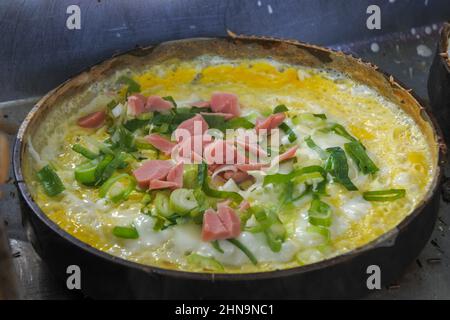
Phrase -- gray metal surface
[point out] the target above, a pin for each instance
(51, 54)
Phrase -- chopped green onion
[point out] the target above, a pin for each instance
(145, 116)
(244, 249)
(356, 151)
(170, 99)
(215, 121)
(190, 176)
(203, 262)
(133, 86)
(162, 204)
(291, 134)
(126, 232)
(143, 144)
(134, 124)
(312, 145)
(85, 173)
(284, 178)
(204, 182)
(146, 199)
(319, 213)
(280, 108)
(310, 119)
(50, 181)
(84, 152)
(275, 236)
(108, 165)
(121, 193)
(384, 195)
(123, 139)
(303, 194)
(310, 178)
(322, 116)
(323, 231)
(339, 130)
(183, 200)
(236, 123)
(216, 246)
(337, 166)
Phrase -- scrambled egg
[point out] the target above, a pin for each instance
(393, 140)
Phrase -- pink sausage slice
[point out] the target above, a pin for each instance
(224, 102)
(136, 104)
(213, 228)
(161, 143)
(152, 170)
(156, 103)
(271, 122)
(93, 120)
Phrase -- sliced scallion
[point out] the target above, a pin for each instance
(291, 134)
(126, 232)
(162, 204)
(85, 173)
(244, 249)
(312, 145)
(50, 181)
(340, 130)
(337, 166)
(183, 200)
(204, 182)
(120, 193)
(280, 108)
(357, 152)
(319, 213)
(216, 245)
(84, 152)
(384, 195)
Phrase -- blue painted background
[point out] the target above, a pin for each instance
(37, 51)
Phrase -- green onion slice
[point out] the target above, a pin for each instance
(337, 166)
(120, 193)
(204, 182)
(50, 181)
(244, 249)
(171, 100)
(236, 123)
(216, 246)
(357, 152)
(85, 172)
(126, 232)
(162, 204)
(324, 232)
(284, 178)
(280, 108)
(312, 145)
(183, 200)
(384, 195)
(133, 86)
(319, 213)
(340, 130)
(84, 152)
(291, 134)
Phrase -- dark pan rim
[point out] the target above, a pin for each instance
(444, 42)
(385, 240)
